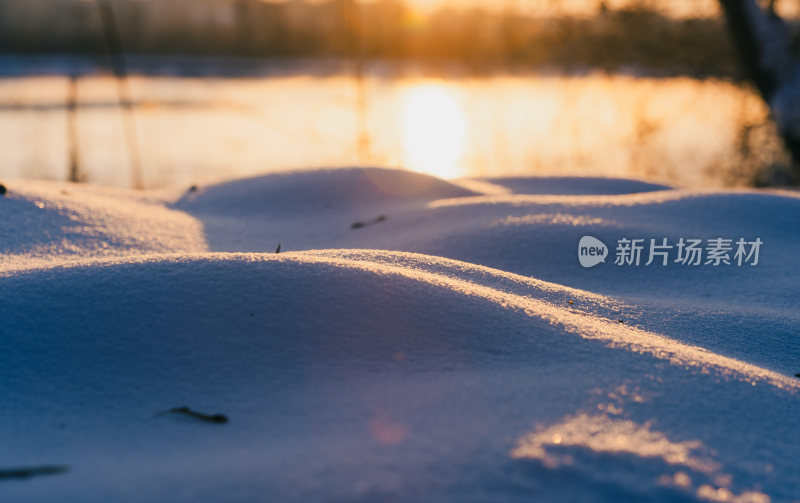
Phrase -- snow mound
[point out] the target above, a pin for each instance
(573, 185)
(312, 191)
(749, 313)
(475, 361)
(43, 221)
(361, 376)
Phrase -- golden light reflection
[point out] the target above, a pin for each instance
(434, 131)
(415, 19)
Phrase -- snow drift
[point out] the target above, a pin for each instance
(489, 366)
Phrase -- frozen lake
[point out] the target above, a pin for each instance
(200, 129)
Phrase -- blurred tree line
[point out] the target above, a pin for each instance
(636, 36)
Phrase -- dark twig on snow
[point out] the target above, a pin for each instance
(32, 471)
(376, 220)
(186, 411)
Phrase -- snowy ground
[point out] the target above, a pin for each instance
(450, 348)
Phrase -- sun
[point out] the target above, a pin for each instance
(435, 128)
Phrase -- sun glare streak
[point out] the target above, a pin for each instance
(434, 129)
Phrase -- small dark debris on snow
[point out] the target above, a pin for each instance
(376, 220)
(193, 188)
(32, 471)
(278, 249)
(186, 411)
(3, 190)
(621, 320)
(797, 374)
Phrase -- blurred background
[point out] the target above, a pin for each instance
(162, 93)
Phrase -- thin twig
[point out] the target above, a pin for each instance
(186, 411)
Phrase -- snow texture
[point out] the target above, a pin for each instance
(452, 350)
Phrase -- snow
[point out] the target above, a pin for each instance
(453, 351)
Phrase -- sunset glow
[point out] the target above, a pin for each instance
(434, 130)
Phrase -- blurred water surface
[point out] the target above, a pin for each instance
(201, 129)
